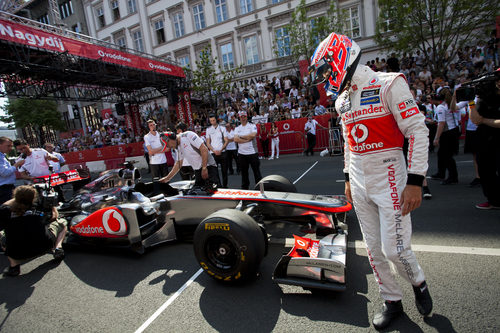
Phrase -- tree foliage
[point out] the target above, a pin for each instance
(35, 114)
(441, 26)
(209, 81)
(306, 32)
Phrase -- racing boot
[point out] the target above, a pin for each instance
(423, 299)
(390, 311)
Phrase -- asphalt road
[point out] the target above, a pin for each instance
(457, 245)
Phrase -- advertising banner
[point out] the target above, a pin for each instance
(22, 34)
(187, 109)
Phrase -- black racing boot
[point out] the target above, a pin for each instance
(423, 299)
(390, 311)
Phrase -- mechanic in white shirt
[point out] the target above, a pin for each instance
(231, 150)
(186, 171)
(36, 160)
(216, 142)
(191, 147)
(156, 150)
(248, 155)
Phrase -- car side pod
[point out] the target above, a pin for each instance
(314, 264)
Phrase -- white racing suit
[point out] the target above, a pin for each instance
(378, 111)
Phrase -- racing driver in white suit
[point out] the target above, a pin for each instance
(378, 111)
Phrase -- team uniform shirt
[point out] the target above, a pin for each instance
(189, 150)
(155, 142)
(311, 126)
(56, 166)
(231, 145)
(444, 114)
(246, 148)
(35, 164)
(216, 135)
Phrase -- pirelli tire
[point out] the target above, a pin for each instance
(229, 245)
(276, 183)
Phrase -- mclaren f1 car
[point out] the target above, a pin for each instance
(227, 226)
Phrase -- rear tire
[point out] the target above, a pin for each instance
(229, 245)
(276, 183)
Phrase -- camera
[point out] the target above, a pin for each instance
(479, 87)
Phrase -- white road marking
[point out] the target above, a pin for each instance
(340, 181)
(305, 172)
(178, 292)
(482, 251)
(168, 302)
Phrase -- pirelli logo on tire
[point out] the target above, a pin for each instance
(217, 226)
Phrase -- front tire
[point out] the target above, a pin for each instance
(229, 245)
(276, 183)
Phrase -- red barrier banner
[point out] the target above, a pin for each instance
(187, 109)
(292, 134)
(105, 153)
(22, 34)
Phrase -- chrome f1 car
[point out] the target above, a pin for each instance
(228, 226)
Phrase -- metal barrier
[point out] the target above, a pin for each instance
(291, 142)
(330, 139)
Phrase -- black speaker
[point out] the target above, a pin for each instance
(120, 109)
(173, 96)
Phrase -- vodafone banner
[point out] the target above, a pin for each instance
(106, 113)
(187, 109)
(179, 109)
(22, 34)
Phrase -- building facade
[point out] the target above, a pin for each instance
(240, 32)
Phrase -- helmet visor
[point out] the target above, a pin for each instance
(321, 71)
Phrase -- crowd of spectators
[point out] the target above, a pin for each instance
(290, 97)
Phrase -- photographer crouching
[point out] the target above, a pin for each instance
(28, 233)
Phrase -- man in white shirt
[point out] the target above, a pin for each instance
(190, 147)
(156, 151)
(231, 150)
(310, 129)
(216, 142)
(36, 160)
(244, 136)
(446, 138)
(56, 168)
(319, 109)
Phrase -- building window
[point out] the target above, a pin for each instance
(178, 25)
(160, 32)
(115, 10)
(282, 42)
(199, 16)
(44, 19)
(276, 1)
(226, 51)
(137, 38)
(221, 10)
(184, 61)
(245, 6)
(66, 9)
(120, 40)
(100, 17)
(352, 25)
(251, 50)
(132, 7)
